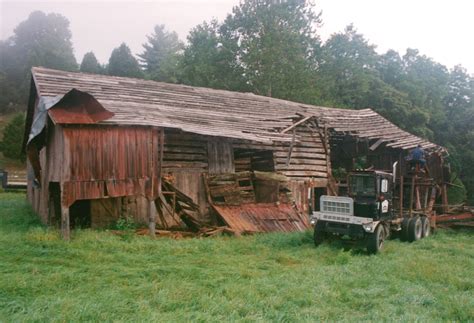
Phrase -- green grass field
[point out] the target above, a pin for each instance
(99, 276)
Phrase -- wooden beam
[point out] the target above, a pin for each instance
(296, 124)
(376, 144)
(291, 148)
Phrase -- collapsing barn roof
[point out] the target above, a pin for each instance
(217, 112)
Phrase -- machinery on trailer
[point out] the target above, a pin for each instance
(369, 212)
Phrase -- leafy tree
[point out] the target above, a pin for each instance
(161, 55)
(391, 68)
(10, 145)
(457, 125)
(274, 42)
(209, 60)
(347, 69)
(122, 63)
(41, 40)
(10, 96)
(90, 64)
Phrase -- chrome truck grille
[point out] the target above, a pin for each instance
(337, 205)
(340, 209)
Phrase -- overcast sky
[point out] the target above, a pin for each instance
(440, 29)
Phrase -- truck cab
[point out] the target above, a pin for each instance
(372, 193)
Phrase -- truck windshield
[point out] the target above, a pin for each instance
(362, 185)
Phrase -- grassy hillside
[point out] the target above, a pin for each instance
(272, 277)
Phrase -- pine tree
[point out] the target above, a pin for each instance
(122, 63)
(161, 55)
(90, 64)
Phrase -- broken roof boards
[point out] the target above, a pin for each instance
(216, 112)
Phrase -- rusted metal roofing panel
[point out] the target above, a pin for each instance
(216, 112)
(263, 217)
(77, 107)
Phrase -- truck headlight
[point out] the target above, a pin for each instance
(368, 227)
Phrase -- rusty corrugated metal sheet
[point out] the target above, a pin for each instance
(263, 217)
(78, 107)
(112, 161)
(101, 189)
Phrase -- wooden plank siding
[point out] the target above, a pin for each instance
(96, 162)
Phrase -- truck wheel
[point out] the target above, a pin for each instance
(415, 229)
(404, 230)
(426, 227)
(375, 240)
(319, 237)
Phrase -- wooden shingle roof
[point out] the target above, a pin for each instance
(215, 112)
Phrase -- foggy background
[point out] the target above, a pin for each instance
(441, 30)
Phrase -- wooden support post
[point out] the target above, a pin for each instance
(412, 193)
(425, 200)
(153, 203)
(65, 223)
(401, 195)
(429, 208)
(444, 198)
(417, 201)
(152, 220)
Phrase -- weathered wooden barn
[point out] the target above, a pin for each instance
(99, 147)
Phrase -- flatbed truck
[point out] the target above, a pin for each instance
(368, 212)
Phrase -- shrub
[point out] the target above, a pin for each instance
(11, 143)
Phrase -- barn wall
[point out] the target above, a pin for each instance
(308, 156)
(221, 156)
(39, 196)
(185, 161)
(110, 152)
(110, 161)
(106, 212)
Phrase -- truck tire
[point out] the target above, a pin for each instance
(319, 237)
(376, 240)
(415, 229)
(404, 230)
(426, 226)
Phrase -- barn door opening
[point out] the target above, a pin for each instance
(317, 193)
(80, 214)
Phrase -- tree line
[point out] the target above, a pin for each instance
(272, 48)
